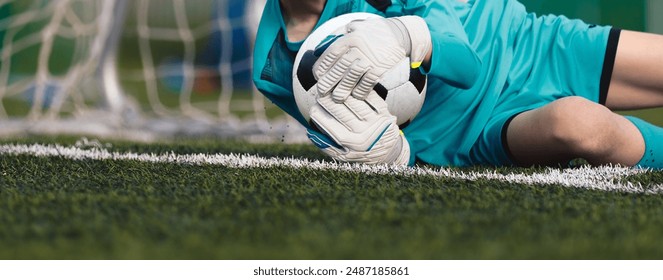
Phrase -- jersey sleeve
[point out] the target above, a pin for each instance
(453, 58)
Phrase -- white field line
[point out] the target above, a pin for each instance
(605, 178)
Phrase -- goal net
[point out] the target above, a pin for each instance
(141, 69)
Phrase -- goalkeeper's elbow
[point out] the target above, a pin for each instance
(463, 72)
(454, 61)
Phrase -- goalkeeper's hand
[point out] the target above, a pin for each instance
(363, 130)
(354, 63)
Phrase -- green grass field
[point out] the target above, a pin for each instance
(66, 207)
(62, 208)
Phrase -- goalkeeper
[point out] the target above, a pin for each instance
(505, 87)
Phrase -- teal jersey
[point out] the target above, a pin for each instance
(485, 55)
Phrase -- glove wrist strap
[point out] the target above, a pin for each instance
(418, 35)
(403, 158)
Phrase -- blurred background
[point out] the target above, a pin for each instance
(178, 60)
(642, 15)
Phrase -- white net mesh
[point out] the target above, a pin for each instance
(48, 49)
(143, 69)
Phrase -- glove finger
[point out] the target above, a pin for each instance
(349, 81)
(365, 85)
(337, 131)
(328, 124)
(362, 109)
(373, 125)
(370, 113)
(340, 123)
(329, 57)
(378, 103)
(342, 113)
(330, 80)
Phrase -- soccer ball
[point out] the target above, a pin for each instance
(403, 88)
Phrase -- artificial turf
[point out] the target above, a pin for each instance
(56, 208)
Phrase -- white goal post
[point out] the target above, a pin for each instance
(136, 69)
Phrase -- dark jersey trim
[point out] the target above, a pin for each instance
(505, 144)
(380, 5)
(609, 64)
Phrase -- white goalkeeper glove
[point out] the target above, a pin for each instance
(364, 129)
(354, 63)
